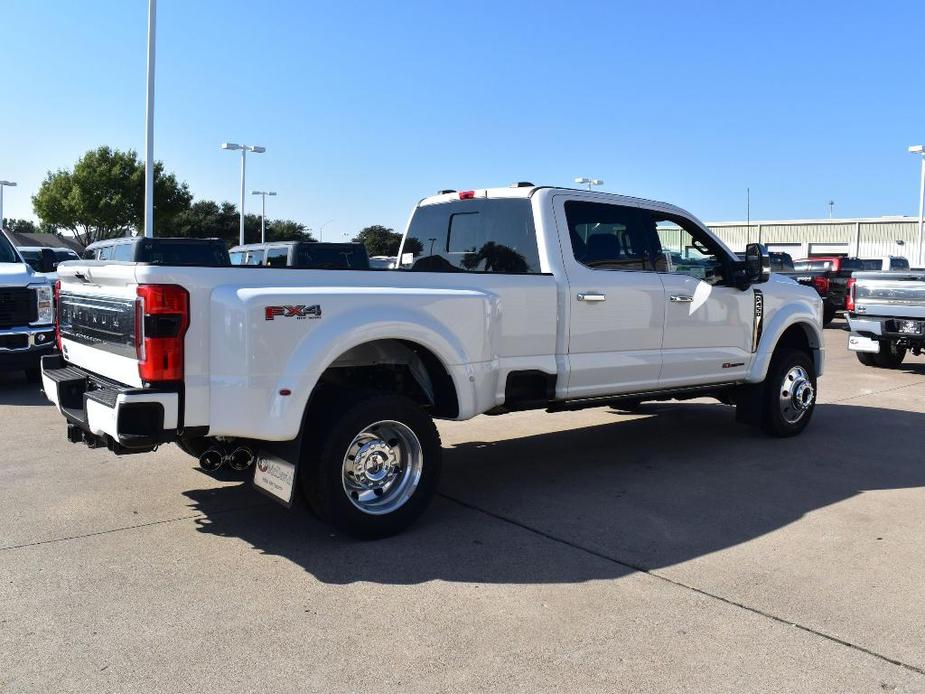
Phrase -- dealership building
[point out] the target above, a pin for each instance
(869, 237)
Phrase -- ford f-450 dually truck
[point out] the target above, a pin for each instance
(504, 299)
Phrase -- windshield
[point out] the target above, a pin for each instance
(7, 253)
(34, 258)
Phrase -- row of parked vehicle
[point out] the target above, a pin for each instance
(833, 276)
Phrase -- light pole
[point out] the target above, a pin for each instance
(4, 184)
(321, 230)
(149, 126)
(920, 150)
(589, 181)
(831, 204)
(263, 210)
(256, 149)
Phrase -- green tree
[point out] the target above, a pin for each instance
(208, 219)
(103, 196)
(27, 226)
(286, 230)
(379, 240)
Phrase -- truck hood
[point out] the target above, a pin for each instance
(18, 275)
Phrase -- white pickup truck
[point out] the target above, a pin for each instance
(504, 299)
(886, 314)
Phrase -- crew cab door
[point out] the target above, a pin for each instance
(708, 322)
(615, 301)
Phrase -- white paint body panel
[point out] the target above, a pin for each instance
(481, 326)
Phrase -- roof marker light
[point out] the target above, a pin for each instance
(467, 195)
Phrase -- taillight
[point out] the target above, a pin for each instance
(850, 299)
(161, 320)
(58, 314)
(821, 284)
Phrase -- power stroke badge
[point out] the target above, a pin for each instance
(299, 312)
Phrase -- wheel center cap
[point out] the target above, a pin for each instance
(373, 461)
(803, 395)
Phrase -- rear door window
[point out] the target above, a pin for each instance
(254, 257)
(479, 235)
(123, 251)
(104, 253)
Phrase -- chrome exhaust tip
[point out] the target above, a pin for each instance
(212, 459)
(241, 458)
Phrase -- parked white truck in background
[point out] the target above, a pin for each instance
(26, 311)
(504, 299)
(887, 317)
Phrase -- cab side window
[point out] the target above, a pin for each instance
(104, 253)
(612, 237)
(123, 251)
(254, 257)
(687, 250)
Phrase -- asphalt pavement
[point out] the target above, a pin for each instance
(664, 550)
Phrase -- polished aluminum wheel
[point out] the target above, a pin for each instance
(382, 467)
(796, 395)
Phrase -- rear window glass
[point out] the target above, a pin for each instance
(472, 236)
(852, 264)
(812, 265)
(899, 264)
(332, 256)
(181, 252)
(34, 258)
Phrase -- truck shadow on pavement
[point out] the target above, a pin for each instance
(16, 390)
(675, 483)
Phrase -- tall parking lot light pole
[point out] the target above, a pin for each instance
(256, 149)
(263, 211)
(589, 181)
(920, 150)
(4, 184)
(149, 126)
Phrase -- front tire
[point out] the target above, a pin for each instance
(789, 393)
(890, 356)
(828, 313)
(378, 464)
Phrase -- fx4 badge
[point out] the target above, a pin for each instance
(299, 312)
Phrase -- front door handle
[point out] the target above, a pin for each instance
(591, 296)
(681, 299)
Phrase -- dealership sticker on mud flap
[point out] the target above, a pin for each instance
(275, 476)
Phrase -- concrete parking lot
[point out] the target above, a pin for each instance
(668, 550)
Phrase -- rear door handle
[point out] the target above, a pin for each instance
(681, 299)
(591, 296)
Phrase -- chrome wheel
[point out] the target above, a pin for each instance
(382, 467)
(796, 395)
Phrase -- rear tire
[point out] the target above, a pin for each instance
(789, 393)
(890, 356)
(375, 466)
(866, 358)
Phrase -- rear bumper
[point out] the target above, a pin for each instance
(866, 331)
(22, 348)
(102, 413)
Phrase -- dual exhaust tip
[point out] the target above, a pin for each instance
(240, 458)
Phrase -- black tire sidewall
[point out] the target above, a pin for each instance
(890, 355)
(322, 471)
(773, 421)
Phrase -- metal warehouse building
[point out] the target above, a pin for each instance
(802, 238)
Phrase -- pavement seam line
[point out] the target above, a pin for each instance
(129, 527)
(680, 584)
(876, 392)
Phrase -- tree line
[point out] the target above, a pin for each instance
(103, 197)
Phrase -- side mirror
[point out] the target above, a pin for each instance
(757, 263)
(49, 261)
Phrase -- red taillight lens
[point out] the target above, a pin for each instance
(821, 284)
(849, 299)
(467, 195)
(58, 314)
(161, 320)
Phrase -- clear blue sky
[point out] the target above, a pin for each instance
(366, 107)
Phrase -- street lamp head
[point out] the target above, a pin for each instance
(256, 149)
(10, 184)
(917, 149)
(582, 180)
(230, 145)
(271, 193)
(597, 182)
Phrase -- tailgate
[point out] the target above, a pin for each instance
(96, 310)
(890, 294)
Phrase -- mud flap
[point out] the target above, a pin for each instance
(749, 401)
(276, 469)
